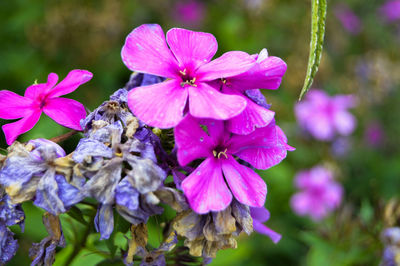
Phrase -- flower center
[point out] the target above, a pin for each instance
(187, 79)
(220, 151)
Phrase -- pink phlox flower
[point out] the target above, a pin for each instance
(206, 188)
(266, 73)
(184, 58)
(43, 97)
(391, 10)
(260, 216)
(324, 116)
(319, 193)
(349, 20)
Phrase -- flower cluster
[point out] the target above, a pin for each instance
(319, 193)
(324, 117)
(212, 128)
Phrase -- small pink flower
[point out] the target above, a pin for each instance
(319, 194)
(43, 97)
(324, 116)
(260, 216)
(206, 188)
(187, 65)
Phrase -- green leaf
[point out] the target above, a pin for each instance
(77, 214)
(318, 17)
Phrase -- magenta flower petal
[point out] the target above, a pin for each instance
(13, 130)
(261, 148)
(66, 112)
(247, 186)
(191, 49)
(262, 229)
(72, 81)
(228, 65)
(145, 50)
(192, 141)
(266, 74)
(205, 188)
(283, 139)
(13, 106)
(159, 105)
(39, 91)
(252, 117)
(207, 102)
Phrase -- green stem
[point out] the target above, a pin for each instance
(64, 136)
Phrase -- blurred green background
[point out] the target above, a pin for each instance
(39, 37)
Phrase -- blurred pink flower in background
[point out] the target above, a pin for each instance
(190, 13)
(349, 20)
(390, 10)
(374, 134)
(324, 116)
(319, 194)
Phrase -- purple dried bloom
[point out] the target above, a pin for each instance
(350, 21)
(206, 234)
(324, 116)
(391, 239)
(260, 216)
(43, 253)
(390, 10)
(156, 257)
(8, 245)
(103, 157)
(11, 214)
(31, 172)
(109, 111)
(319, 193)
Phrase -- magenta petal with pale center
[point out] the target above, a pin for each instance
(192, 141)
(227, 65)
(13, 106)
(66, 112)
(145, 50)
(205, 188)
(207, 102)
(159, 105)
(191, 49)
(247, 186)
(39, 91)
(13, 130)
